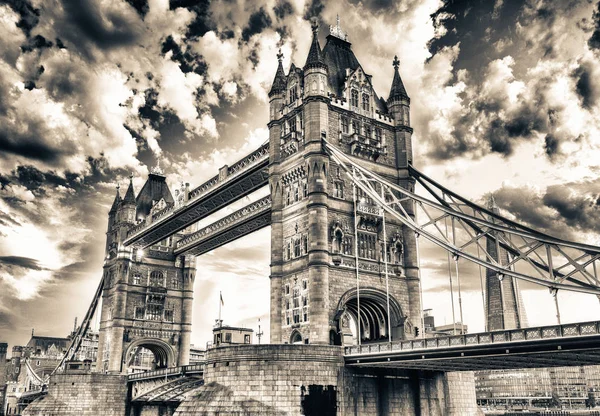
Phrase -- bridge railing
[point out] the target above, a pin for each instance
(229, 221)
(234, 171)
(484, 338)
(166, 372)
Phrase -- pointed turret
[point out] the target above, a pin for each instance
(116, 202)
(397, 92)
(315, 56)
(279, 81)
(130, 194)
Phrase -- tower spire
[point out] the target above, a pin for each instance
(130, 194)
(116, 202)
(397, 92)
(279, 80)
(315, 56)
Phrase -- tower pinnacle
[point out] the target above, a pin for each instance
(397, 92)
(315, 56)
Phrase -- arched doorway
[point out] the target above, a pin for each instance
(148, 354)
(373, 317)
(296, 338)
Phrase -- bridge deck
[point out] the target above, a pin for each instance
(549, 346)
(242, 178)
(242, 222)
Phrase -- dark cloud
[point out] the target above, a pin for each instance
(258, 22)
(141, 6)
(24, 262)
(313, 9)
(29, 16)
(203, 21)
(586, 85)
(551, 145)
(188, 61)
(105, 29)
(36, 42)
(560, 210)
(594, 41)
(28, 145)
(7, 220)
(283, 8)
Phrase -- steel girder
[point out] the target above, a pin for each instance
(242, 222)
(533, 256)
(250, 180)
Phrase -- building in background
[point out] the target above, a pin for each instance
(229, 335)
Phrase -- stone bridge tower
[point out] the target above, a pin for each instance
(147, 296)
(314, 243)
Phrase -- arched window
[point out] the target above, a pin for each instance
(398, 251)
(157, 279)
(338, 240)
(366, 102)
(354, 98)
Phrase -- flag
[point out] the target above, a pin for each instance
(221, 296)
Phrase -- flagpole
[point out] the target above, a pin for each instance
(220, 302)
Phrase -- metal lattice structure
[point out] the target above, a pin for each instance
(464, 229)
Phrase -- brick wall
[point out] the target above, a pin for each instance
(82, 395)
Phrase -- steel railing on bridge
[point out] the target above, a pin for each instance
(197, 368)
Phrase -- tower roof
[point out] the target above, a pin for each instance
(154, 189)
(116, 202)
(279, 81)
(397, 91)
(338, 56)
(315, 56)
(130, 194)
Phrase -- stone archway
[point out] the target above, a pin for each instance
(164, 356)
(373, 317)
(296, 338)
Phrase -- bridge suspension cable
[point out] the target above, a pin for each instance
(542, 259)
(82, 330)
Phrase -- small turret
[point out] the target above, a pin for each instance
(114, 208)
(315, 68)
(398, 104)
(127, 210)
(398, 101)
(277, 93)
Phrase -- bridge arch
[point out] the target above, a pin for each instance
(164, 356)
(373, 317)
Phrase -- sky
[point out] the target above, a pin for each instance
(505, 100)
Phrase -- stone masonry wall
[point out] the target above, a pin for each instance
(82, 395)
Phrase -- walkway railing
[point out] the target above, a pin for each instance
(166, 372)
(262, 205)
(484, 338)
(260, 155)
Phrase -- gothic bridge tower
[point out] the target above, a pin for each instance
(147, 296)
(314, 242)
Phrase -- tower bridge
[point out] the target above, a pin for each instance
(347, 333)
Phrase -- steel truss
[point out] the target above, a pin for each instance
(533, 256)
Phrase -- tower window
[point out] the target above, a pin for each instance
(305, 189)
(347, 245)
(354, 98)
(368, 131)
(366, 246)
(297, 247)
(137, 279)
(355, 127)
(345, 126)
(296, 193)
(157, 279)
(292, 124)
(366, 102)
(338, 190)
(378, 135)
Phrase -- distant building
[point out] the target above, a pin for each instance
(197, 355)
(229, 335)
(450, 329)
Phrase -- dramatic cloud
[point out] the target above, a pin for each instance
(504, 100)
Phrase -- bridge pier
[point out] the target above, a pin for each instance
(312, 380)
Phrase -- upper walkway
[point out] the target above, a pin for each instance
(547, 346)
(232, 183)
